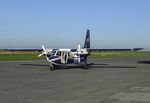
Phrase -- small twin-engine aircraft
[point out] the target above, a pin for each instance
(73, 57)
(68, 57)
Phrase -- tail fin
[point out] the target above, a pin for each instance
(87, 40)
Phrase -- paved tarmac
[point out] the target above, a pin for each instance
(107, 81)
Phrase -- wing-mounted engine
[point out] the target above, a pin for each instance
(80, 53)
(46, 52)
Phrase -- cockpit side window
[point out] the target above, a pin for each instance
(58, 53)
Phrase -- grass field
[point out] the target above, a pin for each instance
(13, 56)
(120, 55)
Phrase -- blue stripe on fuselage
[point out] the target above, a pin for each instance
(53, 57)
(57, 60)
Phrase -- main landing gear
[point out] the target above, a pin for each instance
(85, 66)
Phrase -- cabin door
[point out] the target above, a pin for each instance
(64, 57)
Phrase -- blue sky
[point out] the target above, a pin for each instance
(63, 23)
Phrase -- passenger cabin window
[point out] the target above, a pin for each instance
(69, 54)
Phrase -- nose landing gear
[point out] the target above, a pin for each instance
(51, 67)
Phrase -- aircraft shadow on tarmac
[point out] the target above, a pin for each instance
(35, 65)
(143, 62)
(90, 66)
(109, 66)
(56, 68)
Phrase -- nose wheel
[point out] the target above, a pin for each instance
(51, 67)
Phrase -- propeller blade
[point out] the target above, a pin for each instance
(40, 55)
(79, 47)
(79, 58)
(43, 48)
(44, 51)
(79, 52)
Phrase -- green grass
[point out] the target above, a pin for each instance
(14, 56)
(120, 55)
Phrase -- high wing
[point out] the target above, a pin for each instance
(128, 49)
(89, 49)
(86, 46)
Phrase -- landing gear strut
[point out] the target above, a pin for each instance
(85, 66)
(51, 67)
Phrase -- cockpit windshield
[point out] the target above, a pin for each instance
(54, 52)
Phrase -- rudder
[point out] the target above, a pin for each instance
(87, 39)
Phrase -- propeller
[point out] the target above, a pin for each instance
(44, 51)
(43, 48)
(79, 52)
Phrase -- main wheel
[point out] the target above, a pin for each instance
(85, 66)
